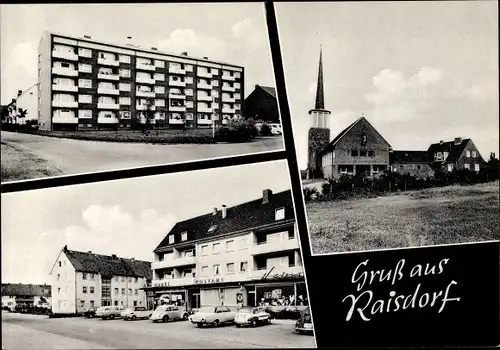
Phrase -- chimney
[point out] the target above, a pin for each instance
(214, 212)
(256, 86)
(113, 256)
(224, 211)
(87, 37)
(90, 252)
(266, 196)
(458, 140)
(65, 248)
(19, 93)
(441, 142)
(154, 48)
(184, 53)
(205, 58)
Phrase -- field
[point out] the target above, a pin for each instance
(453, 214)
(20, 164)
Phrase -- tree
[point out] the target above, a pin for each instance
(22, 114)
(149, 115)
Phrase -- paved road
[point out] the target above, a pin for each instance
(40, 332)
(78, 156)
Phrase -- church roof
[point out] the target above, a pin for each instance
(409, 157)
(320, 97)
(270, 90)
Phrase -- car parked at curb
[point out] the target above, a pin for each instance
(252, 316)
(109, 312)
(165, 313)
(90, 312)
(213, 316)
(276, 129)
(135, 313)
(304, 324)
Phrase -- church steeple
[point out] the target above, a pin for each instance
(320, 98)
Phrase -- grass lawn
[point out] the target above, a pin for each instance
(19, 164)
(453, 214)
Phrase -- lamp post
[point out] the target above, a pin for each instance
(213, 118)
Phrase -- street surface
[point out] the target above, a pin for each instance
(78, 156)
(21, 331)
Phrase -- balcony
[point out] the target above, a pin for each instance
(205, 110)
(204, 122)
(177, 83)
(65, 55)
(108, 91)
(176, 70)
(68, 88)
(228, 88)
(204, 98)
(258, 274)
(174, 282)
(181, 261)
(204, 86)
(108, 62)
(65, 120)
(145, 66)
(65, 104)
(65, 71)
(106, 76)
(202, 74)
(228, 110)
(276, 246)
(108, 106)
(144, 107)
(177, 108)
(228, 99)
(107, 120)
(174, 121)
(145, 94)
(177, 96)
(228, 77)
(145, 80)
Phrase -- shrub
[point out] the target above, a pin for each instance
(239, 130)
(265, 130)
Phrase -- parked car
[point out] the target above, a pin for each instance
(164, 313)
(252, 315)
(213, 315)
(304, 324)
(137, 312)
(90, 312)
(276, 129)
(110, 312)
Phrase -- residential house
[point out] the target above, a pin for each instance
(26, 295)
(414, 163)
(458, 154)
(262, 105)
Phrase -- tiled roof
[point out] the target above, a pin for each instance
(270, 90)
(454, 150)
(409, 157)
(26, 290)
(108, 265)
(246, 216)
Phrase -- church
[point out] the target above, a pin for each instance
(361, 149)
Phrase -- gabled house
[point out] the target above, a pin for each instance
(458, 154)
(261, 104)
(25, 295)
(415, 163)
(359, 148)
(84, 279)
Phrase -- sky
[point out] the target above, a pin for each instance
(128, 217)
(420, 72)
(233, 33)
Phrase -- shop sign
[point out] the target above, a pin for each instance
(284, 275)
(162, 284)
(210, 280)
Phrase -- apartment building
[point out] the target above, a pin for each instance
(88, 84)
(248, 254)
(84, 279)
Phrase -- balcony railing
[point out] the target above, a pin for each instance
(108, 106)
(204, 121)
(65, 104)
(228, 88)
(177, 83)
(107, 120)
(145, 93)
(228, 110)
(180, 261)
(177, 108)
(202, 74)
(228, 99)
(274, 246)
(204, 86)
(108, 91)
(145, 80)
(145, 66)
(173, 282)
(65, 55)
(228, 77)
(174, 121)
(176, 70)
(204, 98)
(144, 107)
(65, 71)
(205, 109)
(68, 88)
(108, 62)
(65, 120)
(106, 76)
(177, 96)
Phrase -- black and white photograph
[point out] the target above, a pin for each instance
(201, 259)
(394, 107)
(100, 87)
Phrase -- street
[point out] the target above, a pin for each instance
(78, 156)
(22, 331)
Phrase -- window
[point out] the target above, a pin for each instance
(84, 289)
(184, 236)
(92, 276)
(124, 87)
(160, 103)
(130, 279)
(476, 167)
(243, 266)
(136, 292)
(125, 73)
(230, 267)
(123, 278)
(216, 269)
(467, 166)
(160, 89)
(216, 248)
(85, 83)
(474, 154)
(124, 59)
(84, 276)
(279, 214)
(450, 167)
(65, 65)
(438, 156)
(371, 153)
(230, 245)
(86, 68)
(130, 291)
(85, 98)
(354, 153)
(92, 290)
(123, 291)
(159, 76)
(362, 153)
(116, 302)
(58, 290)
(58, 277)
(85, 52)
(159, 64)
(124, 100)
(419, 167)
(82, 303)
(204, 249)
(189, 116)
(467, 154)
(170, 239)
(116, 291)
(60, 263)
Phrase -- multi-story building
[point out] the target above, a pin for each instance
(88, 84)
(84, 279)
(242, 255)
(25, 295)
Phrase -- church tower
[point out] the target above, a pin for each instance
(319, 133)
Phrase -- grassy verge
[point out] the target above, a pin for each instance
(453, 214)
(19, 164)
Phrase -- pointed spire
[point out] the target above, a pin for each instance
(320, 99)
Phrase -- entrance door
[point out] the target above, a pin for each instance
(195, 301)
(251, 298)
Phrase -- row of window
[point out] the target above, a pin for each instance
(443, 155)
(123, 290)
(91, 303)
(230, 268)
(88, 114)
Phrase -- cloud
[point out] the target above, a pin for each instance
(195, 44)
(483, 92)
(19, 69)
(243, 27)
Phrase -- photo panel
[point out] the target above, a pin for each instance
(152, 84)
(216, 250)
(394, 109)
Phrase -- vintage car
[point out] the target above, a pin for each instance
(134, 313)
(90, 312)
(164, 313)
(213, 315)
(276, 129)
(252, 315)
(304, 324)
(109, 312)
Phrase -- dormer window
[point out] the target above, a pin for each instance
(170, 239)
(438, 156)
(279, 214)
(212, 228)
(184, 236)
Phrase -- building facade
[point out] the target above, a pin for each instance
(459, 154)
(414, 163)
(87, 84)
(83, 279)
(26, 295)
(262, 105)
(242, 255)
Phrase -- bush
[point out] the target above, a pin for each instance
(265, 130)
(236, 131)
